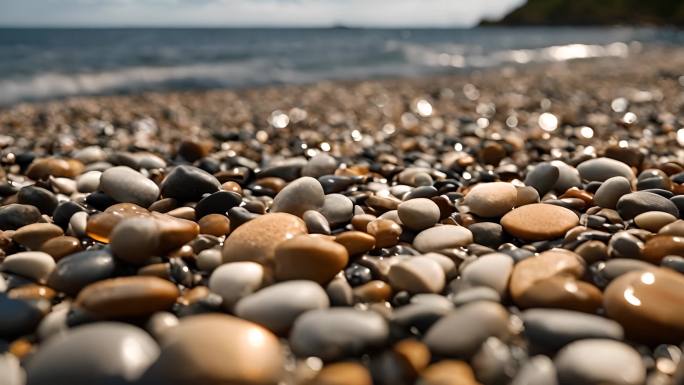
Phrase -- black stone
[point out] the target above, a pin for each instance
(188, 183)
(217, 203)
(633, 204)
(43, 199)
(64, 211)
(14, 216)
(78, 270)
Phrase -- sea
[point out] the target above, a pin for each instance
(40, 64)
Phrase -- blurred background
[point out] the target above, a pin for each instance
(56, 48)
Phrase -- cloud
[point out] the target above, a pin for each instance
(388, 13)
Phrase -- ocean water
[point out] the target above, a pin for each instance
(37, 64)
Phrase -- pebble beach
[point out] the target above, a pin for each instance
(515, 225)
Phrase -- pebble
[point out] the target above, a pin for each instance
(645, 303)
(442, 237)
(568, 176)
(19, 317)
(488, 234)
(417, 275)
(491, 199)
(14, 216)
(188, 183)
(372, 291)
(217, 203)
(100, 353)
(234, 280)
(539, 221)
(33, 236)
(448, 372)
(633, 204)
(475, 323)
(127, 296)
(602, 169)
(41, 169)
(525, 196)
(490, 270)
(674, 228)
(474, 294)
(356, 242)
(319, 165)
(34, 265)
(660, 246)
(418, 214)
(214, 224)
(73, 272)
(385, 232)
(309, 257)
(44, 200)
(316, 223)
(126, 185)
(542, 178)
(552, 329)
(215, 349)
(10, 367)
(298, 196)
(257, 239)
(538, 370)
(337, 209)
(276, 307)
(343, 373)
(61, 246)
(598, 362)
(653, 221)
(332, 334)
(611, 191)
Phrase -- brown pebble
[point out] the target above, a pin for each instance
(526, 195)
(382, 204)
(161, 270)
(539, 221)
(99, 226)
(193, 150)
(448, 372)
(272, 183)
(32, 292)
(127, 296)
(187, 213)
(343, 373)
(660, 246)
(414, 354)
(360, 222)
(232, 186)
(60, 247)
(41, 169)
(563, 292)
(214, 224)
(356, 242)
(592, 251)
(34, 235)
(373, 291)
(164, 205)
(385, 232)
(194, 295)
(308, 257)
(574, 192)
(20, 348)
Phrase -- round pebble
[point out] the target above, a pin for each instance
(418, 214)
(542, 178)
(491, 199)
(298, 196)
(72, 273)
(633, 204)
(598, 362)
(601, 169)
(539, 221)
(417, 275)
(490, 270)
(337, 209)
(309, 257)
(442, 237)
(34, 265)
(33, 236)
(234, 280)
(124, 184)
(611, 191)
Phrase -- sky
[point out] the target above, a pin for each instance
(241, 13)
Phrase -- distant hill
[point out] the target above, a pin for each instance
(595, 12)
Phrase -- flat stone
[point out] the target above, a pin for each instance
(539, 221)
(337, 209)
(598, 362)
(298, 196)
(234, 280)
(552, 329)
(475, 323)
(442, 237)
(611, 191)
(35, 265)
(633, 204)
(319, 165)
(490, 270)
(646, 304)
(217, 203)
(309, 257)
(62, 246)
(653, 221)
(188, 183)
(127, 296)
(257, 239)
(491, 199)
(14, 216)
(601, 169)
(276, 307)
(418, 214)
(99, 353)
(417, 275)
(332, 334)
(216, 349)
(41, 169)
(74, 272)
(542, 178)
(33, 236)
(126, 185)
(562, 292)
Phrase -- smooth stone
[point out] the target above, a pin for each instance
(491, 199)
(448, 372)
(64, 211)
(90, 154)
(417, 275)
(474, 322)
(232, 281)
(339, 291)
(19, 317)
(568, 176)
(35, 265)
(526, 195)
(188, 183)
(563, 292)
(43, 168)
(386, 232)
(298, 196)
(335, 333)
(337, 209)
(343, 373)
(277, 307)
(216, 349)
(599, 362)
(542, 178)
(616, 267)
(528, 272)
(256, 240)
(319, 165)
(418, 316)
(309, 257)
(214, 224)
(552, 329)
(33, 236)
(474, 294)
(675, 228)
(611, 191)
(660, 246)
(99, 353)
(673, 262)
(653, 221)
(126, 185)
(99, 226)
(14, 216)
(538, 370)
(217, 203)
(442, 237)
(490, 270)
(316, 223)
(488, 234)
(625, 245)
(356, 242)
(539, 221)
(633, 204)
(44, 200)
(418, 214)
(72, 273)
(208, 260)
(62, 246)
(647, 304)
(160, 323)
(601, 169)
(127, 296)
(372, 291)
(13, 373)
(447, 264)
